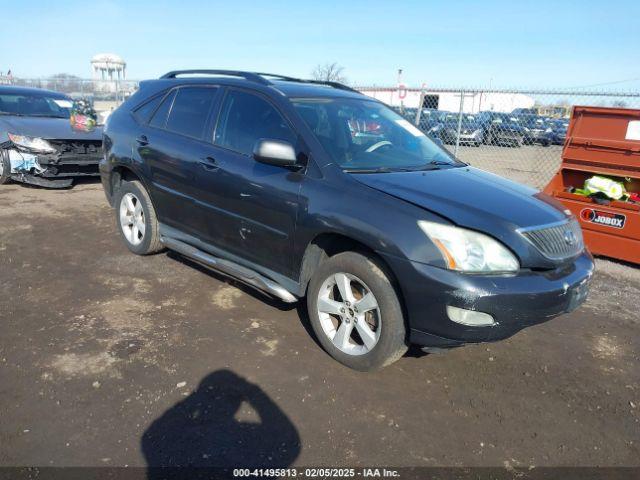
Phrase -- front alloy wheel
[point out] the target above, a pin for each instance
(349, 314)
(355, 311)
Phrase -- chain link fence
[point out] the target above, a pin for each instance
(517, 134)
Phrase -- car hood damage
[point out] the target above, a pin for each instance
(474, 199)
(47, 128)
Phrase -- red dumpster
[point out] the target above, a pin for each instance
(606, 142)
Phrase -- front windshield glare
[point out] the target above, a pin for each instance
(366, 136)
(35, 105)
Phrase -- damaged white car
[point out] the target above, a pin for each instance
(41, 142)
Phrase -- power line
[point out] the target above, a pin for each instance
(616, 82)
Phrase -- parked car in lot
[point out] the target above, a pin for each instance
(431, 121)
(37, 142)
(388, 238)
(471, 129)
(558, 132)
(536, 130)
(501, 129)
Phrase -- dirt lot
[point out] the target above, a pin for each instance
(111, 359)
(531, 164)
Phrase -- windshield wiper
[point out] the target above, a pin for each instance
(389, 169)
(46, 115)
(450, 164)
(369, 170)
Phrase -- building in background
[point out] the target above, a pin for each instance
(449, 100)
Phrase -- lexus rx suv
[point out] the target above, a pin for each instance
(312, 191)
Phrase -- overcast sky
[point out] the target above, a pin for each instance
(541, 43)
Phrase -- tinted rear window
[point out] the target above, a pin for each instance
(190, 111)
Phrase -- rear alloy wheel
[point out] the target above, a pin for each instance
(355, 312)
(5, 167)
(136, 219)
(132, 221)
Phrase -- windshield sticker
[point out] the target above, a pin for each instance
(410, 128)
(63, 103)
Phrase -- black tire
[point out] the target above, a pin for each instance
(5, 176)
(392, 342)
(151, 238)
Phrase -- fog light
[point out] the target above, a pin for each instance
(470, 317)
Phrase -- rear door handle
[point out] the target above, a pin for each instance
(209, 163)
(142, 140)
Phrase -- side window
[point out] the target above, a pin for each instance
(190, 111)
(144, 112)
(159, 119)
(246, 118)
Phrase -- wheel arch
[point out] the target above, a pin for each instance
(328, 244)
(124, 173)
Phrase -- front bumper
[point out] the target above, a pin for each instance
(514, 301)
(55, 170)
(469, 138)
(538, 136)
(506, 138)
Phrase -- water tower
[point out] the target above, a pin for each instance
(107, 69)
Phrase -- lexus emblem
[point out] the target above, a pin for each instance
(570, 238)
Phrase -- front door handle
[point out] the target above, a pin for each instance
(208, 163)
(142, 140)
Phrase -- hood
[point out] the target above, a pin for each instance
(470, 197)
(47, 128)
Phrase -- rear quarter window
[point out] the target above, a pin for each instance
(159, 119)
(144, 112)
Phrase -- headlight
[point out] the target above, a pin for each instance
(32, 143)
(548, 130)
(469, 251)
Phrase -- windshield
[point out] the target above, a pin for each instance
(366, 136)
(35, 105)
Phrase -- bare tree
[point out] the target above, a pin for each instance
(619, 104)
(329, 72)
(66, 83)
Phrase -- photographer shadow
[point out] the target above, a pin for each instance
(227, 423)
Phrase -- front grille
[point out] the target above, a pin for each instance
(77, 148)
(557, 241)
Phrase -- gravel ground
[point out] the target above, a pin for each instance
(111, 359)
(531, 164)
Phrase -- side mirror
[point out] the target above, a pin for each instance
(275, 152)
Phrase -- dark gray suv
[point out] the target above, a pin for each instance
(311, 190)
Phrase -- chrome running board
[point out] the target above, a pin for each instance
(230, 268)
